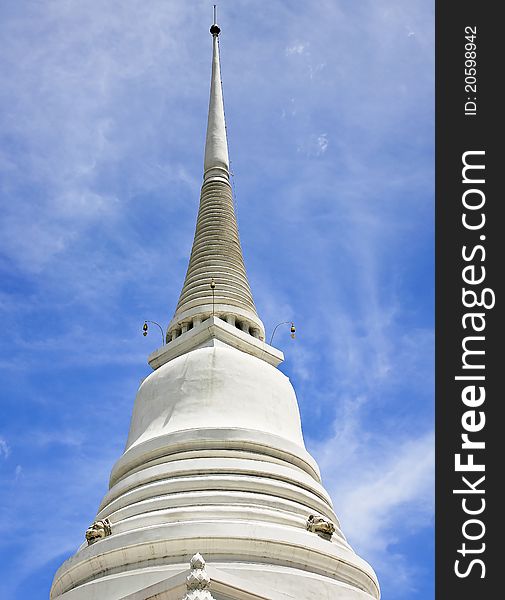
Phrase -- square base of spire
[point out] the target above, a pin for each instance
(209, 332)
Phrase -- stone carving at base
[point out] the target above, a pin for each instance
(98, 530)
(317, 524)
(198, 581)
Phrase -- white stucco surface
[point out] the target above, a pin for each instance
(215, 463)
(215, 387)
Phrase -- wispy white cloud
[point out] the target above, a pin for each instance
(4, 448)
(383, 490)
(322, 142)
(298, 48)
(79, 480)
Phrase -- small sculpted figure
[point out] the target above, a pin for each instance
(98, 530)
(317, 524)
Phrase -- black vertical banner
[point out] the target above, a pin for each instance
(470, 251)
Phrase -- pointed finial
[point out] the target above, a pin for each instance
(214, 29)
(198, 581)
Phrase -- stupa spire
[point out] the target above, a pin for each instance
(216, 256)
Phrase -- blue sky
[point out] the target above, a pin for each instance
(329, 109)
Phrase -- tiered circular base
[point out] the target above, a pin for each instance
(240, 496)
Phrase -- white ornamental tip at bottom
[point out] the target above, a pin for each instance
(198, 581)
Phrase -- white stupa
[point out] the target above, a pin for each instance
(215, 496)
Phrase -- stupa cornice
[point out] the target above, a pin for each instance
(211, 332)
